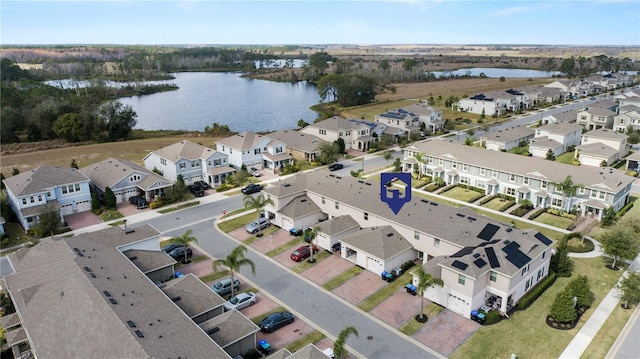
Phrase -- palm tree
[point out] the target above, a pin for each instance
(184, 240)
(258, 202)
(339, 351)
(311, 234)
(425, 281)
(234, 261)
(568, 188)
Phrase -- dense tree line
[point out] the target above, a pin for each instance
(32, 111)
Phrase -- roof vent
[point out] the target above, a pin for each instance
(175, 299)
(131, 323)
(129, 231)
(113, 301)
(460, 215)
(213, 330)
(303, 200)
(433, 203)
(389, 234)
(139, 333)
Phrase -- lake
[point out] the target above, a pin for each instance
(496, 72)
(225, 98)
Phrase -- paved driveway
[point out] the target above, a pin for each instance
(360, 287)
(399, 308)
(446, 332)
(82, 219)
(326, 269)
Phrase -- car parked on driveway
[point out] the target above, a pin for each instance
(252, 188)
(178, 253)
(336, 166)
(202, 184)
(171, 246)
(139, 202)
(296, 232)
(196, 190)
(275, 321)
(255, 172)
(240, 300)
(262, 223)
(303, 253)
(223, 286)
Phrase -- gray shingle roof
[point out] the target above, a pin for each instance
(297, 140)
(614, 180)
(42, 178)
(232, 326)
(510, 134)
(195, 297)
(599, 111)
(110, 171)
(420, 108)
(337, 225)
(544, 142)
(561, 128)
(92, 315)
(383, 242)
(148, 261)
(597, 149)
(185, 149)
(299, 207)
(309, 351)
(335, 123)
(242, 141)
(606, 133)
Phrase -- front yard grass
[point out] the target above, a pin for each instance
(462, 194)
(607, 335)
(181, 206)
(385, 292)
(567, 158)
(526, 334)
(342, 278)
(274, 252)
(265, 232)
(553, 220)
(304, 265)
(313, 337)
(110, 214)
(229, 225)
(496, 203)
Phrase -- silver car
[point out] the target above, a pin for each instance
(253, 226)
(239, 301)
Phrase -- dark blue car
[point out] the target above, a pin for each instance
(275, 321)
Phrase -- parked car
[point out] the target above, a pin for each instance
(223, 286)
(336, 166)
(202, 184)
(303, 253)
(178, 253)
(296, 232)
(253, 226)
(171, 246)
(275, 321)
(255, 172)
(252, 188)
(241, 300)
(139, 202)
(196, 190)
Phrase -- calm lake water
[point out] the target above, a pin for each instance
(497, 72)
(226, 98)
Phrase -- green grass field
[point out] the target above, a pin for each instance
(462, 194)
(495, 204)
(553, 220)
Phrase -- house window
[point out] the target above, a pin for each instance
(64, 189)
(436, 242)
(440, 162)
(494, 174)
(416, 235)
(32, 200)
(464, 180)
(493, 276)
(465, 167)
(602, 195)
(163, 161)
(528, 284)
(337, 205)
(543, 254)
(216, 162)
(430, 159)
(512, 177)
(510, 191)
(24, 201)
(461, 279)
(48, 194)
(322, 132)
(182, 165)
(39, 198)
(195, 164)
(483, 171)
(366, 216)
(134, 178)
(525, 181)
(324, 200)
(594, 193)
(454, 165)
(209, 163)
(279, 149)
(256, 151)
(544, 184)
(556, 202)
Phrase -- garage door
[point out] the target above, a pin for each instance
(457, 304)
(287, 224)
(84, 206)
(375, 265)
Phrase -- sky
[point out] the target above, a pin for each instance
(571, 22)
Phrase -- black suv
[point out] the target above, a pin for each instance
(204, 185)
(178, 253)
(252, 188)
(196, 190)
(336, 166)
(139, 202)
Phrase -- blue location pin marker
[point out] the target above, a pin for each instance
(395, 202)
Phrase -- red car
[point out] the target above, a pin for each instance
(303, 253)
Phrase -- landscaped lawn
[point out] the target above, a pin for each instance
(567, 158)
(462, 194)
(495, 204)
(607, 335)
(109, 215)
(553, 220)
(526, 334)
(229, 225)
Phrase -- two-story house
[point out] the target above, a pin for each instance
(244, 148)
(574, 88)
(557, 137)
(377, 239)
(482, 103)
(125, 179)
(627, 117)
(523, 177)
(567, 116)
(65, 188)
(408, 122)
(427, 115)
(301, 146)
(602, 146)
(276, 157)
(595, 117)
(507, 139)
(190, 160)
(356, 135)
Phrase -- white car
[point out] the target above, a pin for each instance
(241, 300)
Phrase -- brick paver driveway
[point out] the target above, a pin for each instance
(360, 287)
(327, 269)
(399, 308)
(286, 335)
(82, 219)
(446, 332)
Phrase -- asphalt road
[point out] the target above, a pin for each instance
(295, 292)
(371, 162)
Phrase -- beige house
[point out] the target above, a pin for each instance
(602, 145)
(507, 139)
(628, 117)
(421, 229)
(557, 137)
(595, 118)
(301, 146)
(356, 135)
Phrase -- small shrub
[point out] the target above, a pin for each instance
(537, 213)
(156, 204)
(506, 206)
(407, 265)
(492, 317)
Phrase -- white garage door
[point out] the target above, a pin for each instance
(458, 304)
(374, 265)
(287, 224)
(84, 206)
(66, 209)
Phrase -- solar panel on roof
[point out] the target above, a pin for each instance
(542, 238)
(463, 252)
(488, 232)
(476, 255)
(480, 263)
(509, 248)
(491, 255)
(517, 258)
(459, 265)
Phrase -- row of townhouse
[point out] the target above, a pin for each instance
(521, 177)
(592, 85)
(495, 103)
(107, 304)
(476, 257)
